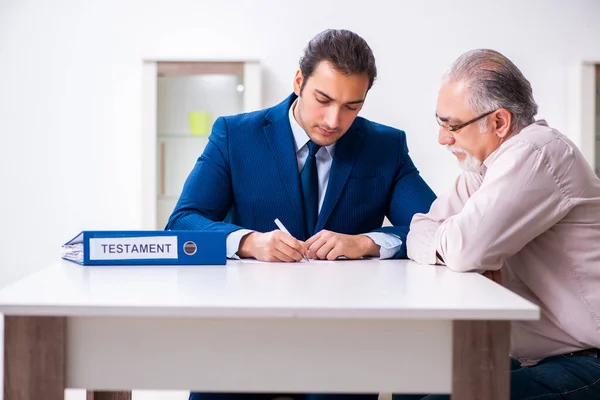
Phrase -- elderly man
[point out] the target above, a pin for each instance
(527, 206)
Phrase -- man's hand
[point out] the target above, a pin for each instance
(271, 246)
(496, 276)
(327, 245)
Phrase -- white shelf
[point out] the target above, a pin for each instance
(173, 136)
(172, 91)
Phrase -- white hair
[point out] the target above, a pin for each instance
(470, 163)
(494, 82)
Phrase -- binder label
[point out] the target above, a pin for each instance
(133, 248)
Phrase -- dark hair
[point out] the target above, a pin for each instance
(345, 50)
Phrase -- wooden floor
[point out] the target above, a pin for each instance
(137, 395)
(153, 395)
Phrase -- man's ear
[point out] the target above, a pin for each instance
(298, 79)
(501, 122)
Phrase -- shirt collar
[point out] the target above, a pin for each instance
(300, 136)
(490, 159)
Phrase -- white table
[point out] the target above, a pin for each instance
(346, 326)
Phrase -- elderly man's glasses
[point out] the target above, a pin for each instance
(455, 128)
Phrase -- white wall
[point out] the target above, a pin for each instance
(70, 87)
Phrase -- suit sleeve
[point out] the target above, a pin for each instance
(410, 195)
(207, 194)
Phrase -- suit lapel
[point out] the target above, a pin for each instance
(281, 141)
(346, 151)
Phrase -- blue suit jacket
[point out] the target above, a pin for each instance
(248, 175)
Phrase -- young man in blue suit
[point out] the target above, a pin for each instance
(329, 176)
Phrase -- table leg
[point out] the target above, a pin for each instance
(34, 357)
(94, 395)
(481, 365)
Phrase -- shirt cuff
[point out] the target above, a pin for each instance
(388, 243)
(233, 242)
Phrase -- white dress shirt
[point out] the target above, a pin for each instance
(389, 243)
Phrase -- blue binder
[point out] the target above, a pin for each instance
(147, 248)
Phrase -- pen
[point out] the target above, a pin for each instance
(284, 229)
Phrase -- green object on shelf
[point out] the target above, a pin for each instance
(199, 123)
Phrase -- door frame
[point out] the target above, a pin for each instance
(148, 173)
(582, 106)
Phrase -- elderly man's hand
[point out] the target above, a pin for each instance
(496, 276)
(327, 245)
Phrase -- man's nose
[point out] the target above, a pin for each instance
(332, 118)
(445, 138)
